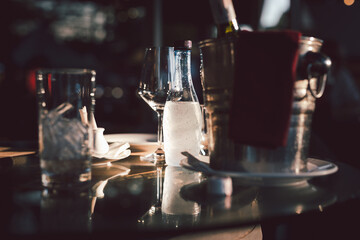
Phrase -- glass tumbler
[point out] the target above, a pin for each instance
(65, 137)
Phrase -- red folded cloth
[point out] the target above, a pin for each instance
(265, 70)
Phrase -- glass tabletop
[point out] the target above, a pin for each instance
(135, 197)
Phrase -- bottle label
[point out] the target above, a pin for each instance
(182, 130)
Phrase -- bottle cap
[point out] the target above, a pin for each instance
(183, 45)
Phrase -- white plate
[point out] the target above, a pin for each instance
(102, 161)
(132, 138)
(117, 151)
(315, 168)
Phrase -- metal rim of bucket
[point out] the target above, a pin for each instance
(312, 44)
(212, 41)
(306, 40)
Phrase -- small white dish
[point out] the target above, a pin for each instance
(117, 151)
(101, 161)
(315, 168)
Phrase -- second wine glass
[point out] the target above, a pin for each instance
(156, 74)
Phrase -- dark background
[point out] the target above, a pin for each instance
(110, 36)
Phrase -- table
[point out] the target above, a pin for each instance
(160, 202)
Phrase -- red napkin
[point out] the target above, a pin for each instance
(263, 87)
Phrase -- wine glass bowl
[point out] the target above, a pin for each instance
(155, 99)
(157, 71)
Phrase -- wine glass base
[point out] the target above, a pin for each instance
(151, 216)
(157, 157)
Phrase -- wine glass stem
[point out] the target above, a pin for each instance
(160, 128)
(159, 187)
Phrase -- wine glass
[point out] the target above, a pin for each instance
(156, 74)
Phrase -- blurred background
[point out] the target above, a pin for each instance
(110, 36)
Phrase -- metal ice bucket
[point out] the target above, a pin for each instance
(217, 74)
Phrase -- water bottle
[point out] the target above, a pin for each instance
(182, 115)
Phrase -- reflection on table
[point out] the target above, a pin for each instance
(130, 196)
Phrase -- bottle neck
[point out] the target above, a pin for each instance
(224, 17)
(227, 29)
(182, 88)
(183, 65)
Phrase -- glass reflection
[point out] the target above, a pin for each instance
(294, 199)
(101, 174)
(65, 212)
(177, 211)
(170, 209)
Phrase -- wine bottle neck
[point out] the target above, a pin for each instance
(227, 29)
(224, 17)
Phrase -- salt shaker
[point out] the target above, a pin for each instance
(100, 144)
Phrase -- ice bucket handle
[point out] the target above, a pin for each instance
(317, 66)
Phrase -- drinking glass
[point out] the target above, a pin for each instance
(156, 74)
(65, 137)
